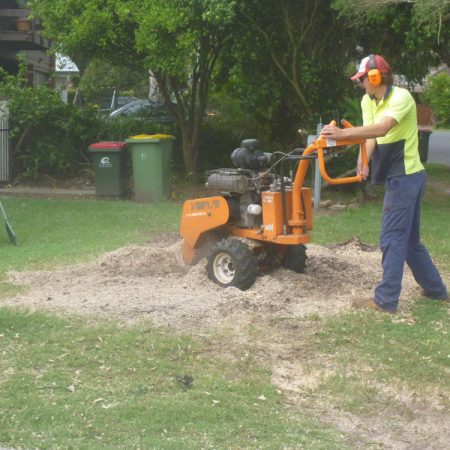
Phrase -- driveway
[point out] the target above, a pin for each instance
(439, 150)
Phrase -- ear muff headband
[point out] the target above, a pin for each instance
(374, 74)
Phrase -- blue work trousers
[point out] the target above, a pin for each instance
(400, 242)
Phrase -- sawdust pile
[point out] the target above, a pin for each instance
(151, 282)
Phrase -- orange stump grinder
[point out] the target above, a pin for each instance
(260, 218)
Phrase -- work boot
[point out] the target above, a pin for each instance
(369, 303)
(444, 299)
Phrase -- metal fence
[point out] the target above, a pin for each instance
(4, 152)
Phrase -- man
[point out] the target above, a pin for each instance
(390, 127)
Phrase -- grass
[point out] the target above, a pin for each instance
(365, 222)
(380, 362)
(68, 383)
(62, 231)
(417, 346)
(74, 385)
(58, 232)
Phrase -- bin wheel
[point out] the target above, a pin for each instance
(295, 258)
(232, 263)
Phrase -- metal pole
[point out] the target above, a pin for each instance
(317, 185)
(317, 176)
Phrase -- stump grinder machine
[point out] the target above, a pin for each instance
(256, 218)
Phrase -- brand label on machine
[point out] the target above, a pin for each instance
(202, 208)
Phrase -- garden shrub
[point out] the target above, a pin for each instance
(50, 138)
(437, 95)
(225, 127)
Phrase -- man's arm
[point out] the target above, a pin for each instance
(365, 132)
(369, 132)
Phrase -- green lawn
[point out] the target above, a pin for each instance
(75, 383)
(61, 231)
(65, 384)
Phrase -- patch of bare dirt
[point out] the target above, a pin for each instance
(395, 417)
(151, 282)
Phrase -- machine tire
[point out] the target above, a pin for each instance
(232, 263)
(295, 258)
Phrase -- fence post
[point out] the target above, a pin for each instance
(5, 163)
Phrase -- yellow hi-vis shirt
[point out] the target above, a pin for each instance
(397, 153)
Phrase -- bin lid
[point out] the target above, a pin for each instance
(149, 138)
(108, 145)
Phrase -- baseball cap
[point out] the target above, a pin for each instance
(364, 66)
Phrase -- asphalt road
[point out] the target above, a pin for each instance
(439, 148)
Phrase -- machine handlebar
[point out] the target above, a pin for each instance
(321, 143)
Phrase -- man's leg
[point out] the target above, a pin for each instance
(398, 208)
(419, 260)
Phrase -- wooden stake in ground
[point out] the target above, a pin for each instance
(12, 236)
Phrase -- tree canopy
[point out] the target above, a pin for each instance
(178, 40)
(415, 33)
(286, 60)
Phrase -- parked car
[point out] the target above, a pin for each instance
(122, 101)
(143, 109)
(107, 103)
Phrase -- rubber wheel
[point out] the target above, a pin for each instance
(295, 258)
(232, 263)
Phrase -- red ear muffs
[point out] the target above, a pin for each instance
(374, 75)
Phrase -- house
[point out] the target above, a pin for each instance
(65, 70)
(20, 34)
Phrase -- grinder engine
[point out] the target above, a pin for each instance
(242, 186)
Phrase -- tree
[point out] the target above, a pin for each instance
(183, 41)
(306, 43)
(100, 78)
(412, 33)
(437, 94)
(288, 65)
(178, 40)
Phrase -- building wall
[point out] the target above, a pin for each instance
(30, 42)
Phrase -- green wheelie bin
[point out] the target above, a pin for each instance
(109, 159)
(150, 160)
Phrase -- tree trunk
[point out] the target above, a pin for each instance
(189, 145)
